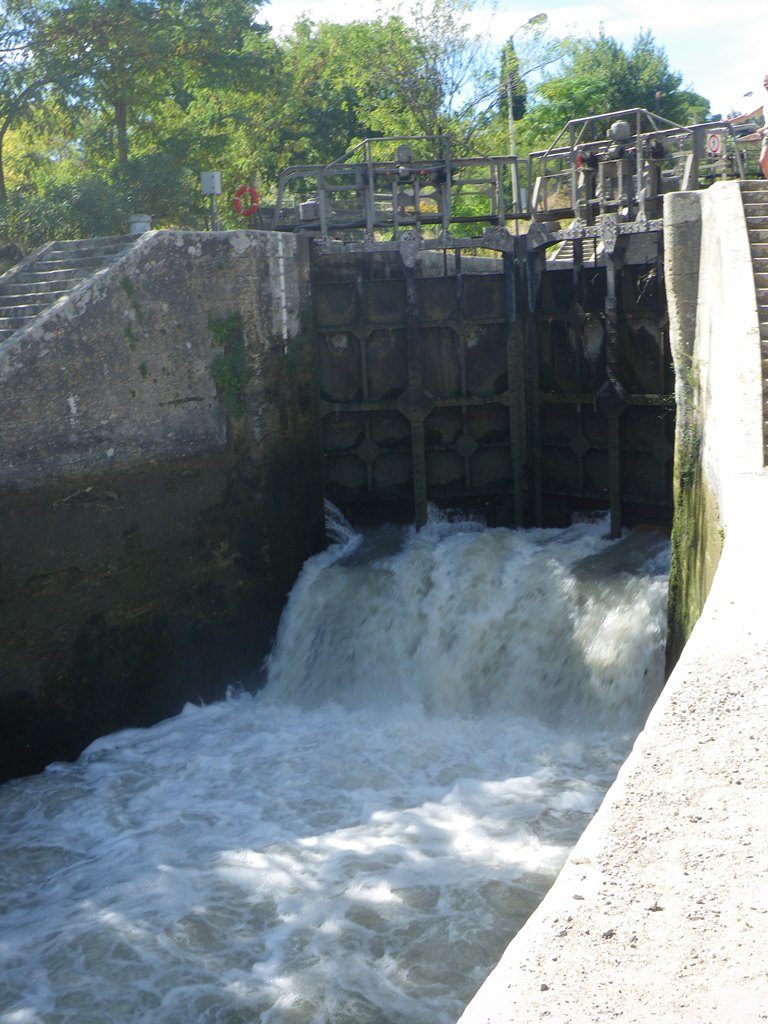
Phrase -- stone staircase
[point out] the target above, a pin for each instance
(563, 254)
(755, 197)
(44, 277)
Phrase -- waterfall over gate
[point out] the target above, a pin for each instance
(357, 842)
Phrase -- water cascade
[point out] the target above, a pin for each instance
(357, 842)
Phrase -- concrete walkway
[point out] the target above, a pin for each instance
(661, 912)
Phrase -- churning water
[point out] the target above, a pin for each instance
(358, 842)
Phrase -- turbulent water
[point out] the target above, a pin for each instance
(357, 843)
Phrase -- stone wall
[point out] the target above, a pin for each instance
(159, 486)
(716, 349)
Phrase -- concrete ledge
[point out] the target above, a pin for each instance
(661, 912)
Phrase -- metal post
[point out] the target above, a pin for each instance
(512, 145)
(516, 385)
(537, 19)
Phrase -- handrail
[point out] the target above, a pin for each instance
(404, 193)
(640, 156)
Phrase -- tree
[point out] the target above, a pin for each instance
(333, 85)
(438, 75)
(321, 96)
(140, 87)
(134, 54)
(537, 51)
(598, 75)
(25, 70)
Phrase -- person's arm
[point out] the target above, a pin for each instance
(743, 117)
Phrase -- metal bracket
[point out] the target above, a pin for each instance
(409, 244)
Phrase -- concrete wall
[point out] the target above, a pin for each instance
(661, 912)
(159, 486)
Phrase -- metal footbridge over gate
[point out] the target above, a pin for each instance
(494, 334)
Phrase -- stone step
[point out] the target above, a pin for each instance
(76, 256)
(13, 323)
(70, 244)
(25, 309)
(51, 274)
(65, 277)
(71, 263)
(15, 288)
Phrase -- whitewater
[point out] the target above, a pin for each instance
(358, 841)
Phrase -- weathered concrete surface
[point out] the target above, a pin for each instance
(159, 486)
(120, 371)
(661, 912)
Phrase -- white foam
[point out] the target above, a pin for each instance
(358, 842)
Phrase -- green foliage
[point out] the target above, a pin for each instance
(113, 107)
(135, 54)
(72, 203)
(121, 71)
(83, 208)
(598, 75)
(24, 73)
(415, 71)
(437, 71)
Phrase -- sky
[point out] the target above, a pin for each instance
(713, 44)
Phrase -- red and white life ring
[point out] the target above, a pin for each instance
(237, 203)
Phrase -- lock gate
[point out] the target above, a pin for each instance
(527, 386)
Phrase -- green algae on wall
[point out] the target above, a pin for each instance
(229, 369)
(696, 529)
(697, 542)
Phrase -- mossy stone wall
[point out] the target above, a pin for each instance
(714, 335)
(160, 487)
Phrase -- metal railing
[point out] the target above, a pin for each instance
(394, 185)
(619, 163)
(622, 163)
